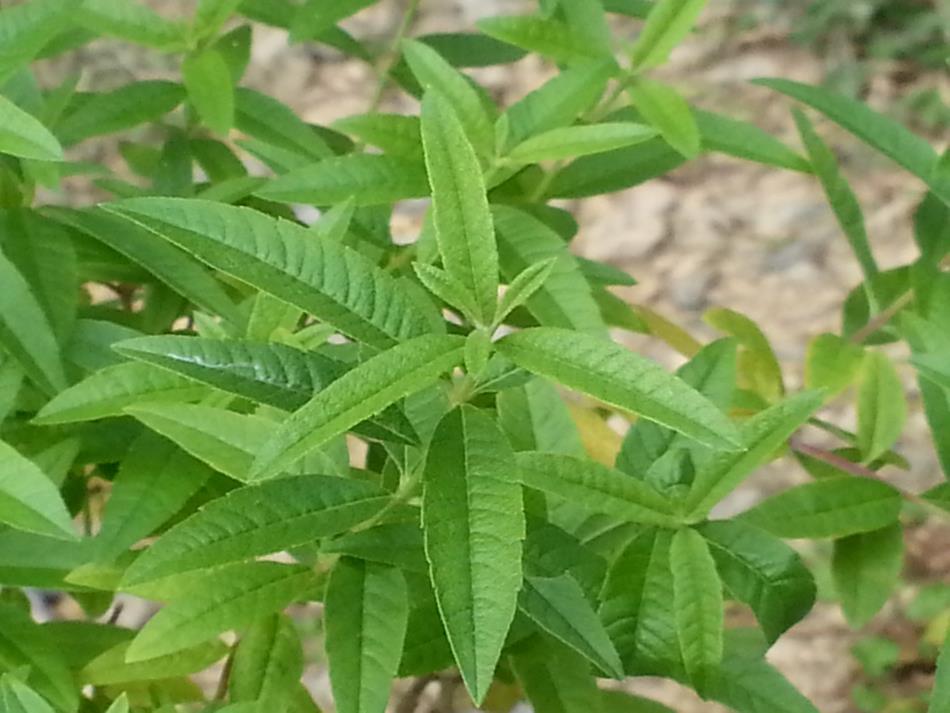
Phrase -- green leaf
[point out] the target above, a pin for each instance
(637, 605)
(534, 417)
(557, 103)
(108, 391)
(154, 482)
(940, 696)
(315, 17)
(25, 332)
(866, 568)
(570, 141)
(842, 199)
(360, 393)
(548, 37)
(121, 109)
(616, 376)
(831, 507)
(28, 499)
(258, 520)
(878, 131)
(882, 406)
(395, 134)
(447, 288)
(697, 601)
(833, 363)
(367, 609)
(240, 594)
(120, 704)
(169, 264)
(210, 15)
(555, 679)
(751, 685)
(623, 702)
(438, 77)
(24, 136)
(758, 365)
(761, 571)
(564, 299)
(26, 28)
(760, 437)
(474, 527)
(207, 79)
(747, 141)
(367, 179)
(558, 606)
(667, 111)
(267, 663)
(525, 284)
(111, 667)
(326, 279)
(939, 495)
(470, 49)
(275, 124)
(134, 22)
(17, 697)
(667, 24)
(463, 222)
(596, 487)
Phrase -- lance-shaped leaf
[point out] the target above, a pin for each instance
(360, 393)
(474, 527)
(761, 571)
(258, 520)
(558, 606)
(268, 373)
(596, 487)
(28, 499)
(398, 544)
(315, 17)
(546, 36)
(875, 129)
(940, 697)
(154, 482)
(275, 124)
(26, 28)
(524, 285)
(229, 598)
(751, 684)
(744, 140)
(760, 436)
(865, 569)
(571, 141)
(267, 663)
(111, 667)
(110, 390)
(555, 679)
(208, 80)
(663, 107)
(179, 271)
(22, 135)
(882, 406)
(395, 134)
(832, 507)
(697, 601)
(535, 418)
(437, 76)
(367, 179)
(134, 22)
(367, 610)
(25, 332)
(326, 279)
(617, 376)
(17, 697)
(463, 222)
(667, 24)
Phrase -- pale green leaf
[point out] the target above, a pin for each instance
(534, 417)
(940, 696)
(120, 704)
(210, 15)
(463, 222)
(26, 333)
(230, 598)
(436, 76)
(751, 685)
(831, 507)
(133, 21)
(474, 527)
(761, 571)
(258, 520)
(832, 363)
(367, 179)
(324, 278)
(26, 28)
(28, 499)
(865, 569)
(546, 36)
(617, 376)
(478, 348)
(24, 136)
(746, 141)
(447, 288)
(558, 606)
(571, 141)
(111, 667)
(359, 394)
(275, 124)
(207, 79)
(697, 601)
(615, 170)
(667, 24)
(267, 663)
(523, 286)
(758, 366)
(366, 611)
(17, 697)
(315, 17)
(760, 437)
(395, 134)
(882, 406)
(663, 108)
(108, 391)
(596, 487)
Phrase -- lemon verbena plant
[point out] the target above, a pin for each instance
(210, 403)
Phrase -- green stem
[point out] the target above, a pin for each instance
(391, 55)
